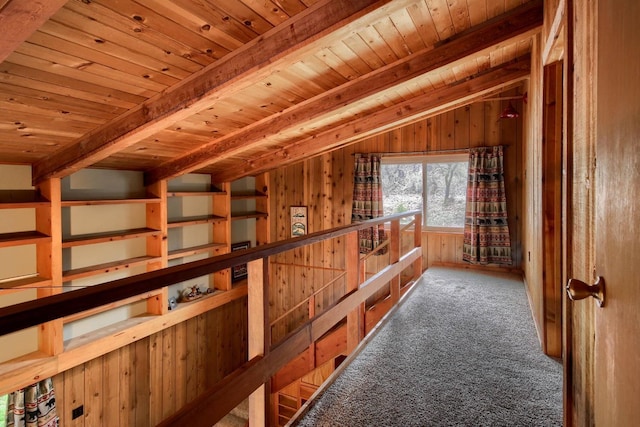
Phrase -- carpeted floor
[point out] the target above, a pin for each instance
(460, 351)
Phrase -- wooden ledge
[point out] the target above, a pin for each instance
(109, 236)
(248, 215)
(196, 193)
(194, 250)
(23, 283)
(194, 220)
(22, 238)
(247, 195)
(21, 199)
(96, 202)
(93, 270)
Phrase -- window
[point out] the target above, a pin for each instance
(436, 184)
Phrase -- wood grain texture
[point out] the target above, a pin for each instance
(143, 383)
(516, 23)
(196, 93)
(581, 251)
(617, 213)
(19, 19)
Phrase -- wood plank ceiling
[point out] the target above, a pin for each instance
(236, 87)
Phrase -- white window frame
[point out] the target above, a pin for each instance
(424, 160)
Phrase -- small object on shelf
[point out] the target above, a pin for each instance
(173, 303)
(193, 293)
(239, 272)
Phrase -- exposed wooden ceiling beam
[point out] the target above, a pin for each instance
(519, 23)
(419, 107)
(239, 69)
(20, 18)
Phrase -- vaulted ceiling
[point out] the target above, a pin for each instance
(236, 87)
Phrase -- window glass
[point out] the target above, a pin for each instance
(401, 187)
(435, 184)
(446, 194)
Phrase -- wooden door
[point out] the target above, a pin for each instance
(617, 209)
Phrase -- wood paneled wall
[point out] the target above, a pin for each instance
(145, 382)
(324, 184)
(532, 217)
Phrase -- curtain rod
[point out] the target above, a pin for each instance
(420, 153)
(417, 153)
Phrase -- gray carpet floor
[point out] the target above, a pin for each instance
(460, 351)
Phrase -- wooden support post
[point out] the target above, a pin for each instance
(49, 262)
(417, 242)
(355, 319)
(221, 206)
(259, 335)
(263, 235)
(157, 246)
(394, 256)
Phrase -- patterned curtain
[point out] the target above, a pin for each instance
(486, 232)
(33, 406)
(367, 199)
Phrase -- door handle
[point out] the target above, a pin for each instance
(577, 289)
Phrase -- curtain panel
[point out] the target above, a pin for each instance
(367, 200)
(486, 231)
(33, 406)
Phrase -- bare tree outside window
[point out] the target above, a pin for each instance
(437, 187)
(401, 187)
(447, 195)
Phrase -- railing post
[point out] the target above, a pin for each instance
(394, 256)
(417, 242)
(312, 346)
(259, 339)
(355, 319)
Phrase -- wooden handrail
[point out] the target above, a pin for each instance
(31, 313)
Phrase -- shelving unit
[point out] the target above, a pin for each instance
(110, 236)
(249, 195)
(23, 199)
(214, 200)
(147, 236)
(57, 205)
(256, 208)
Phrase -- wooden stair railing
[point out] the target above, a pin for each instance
(253, 378)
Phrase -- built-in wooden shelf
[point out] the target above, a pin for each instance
(247, 195)
(196, 193)
(194, 250)
(19, 284)
(110, 236)
(247, 215)
(22, 238)
(194, 220)
(111, 306)
(21, 199)
(107, 267)
(109, 201)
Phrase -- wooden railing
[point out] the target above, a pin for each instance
(265, 359)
